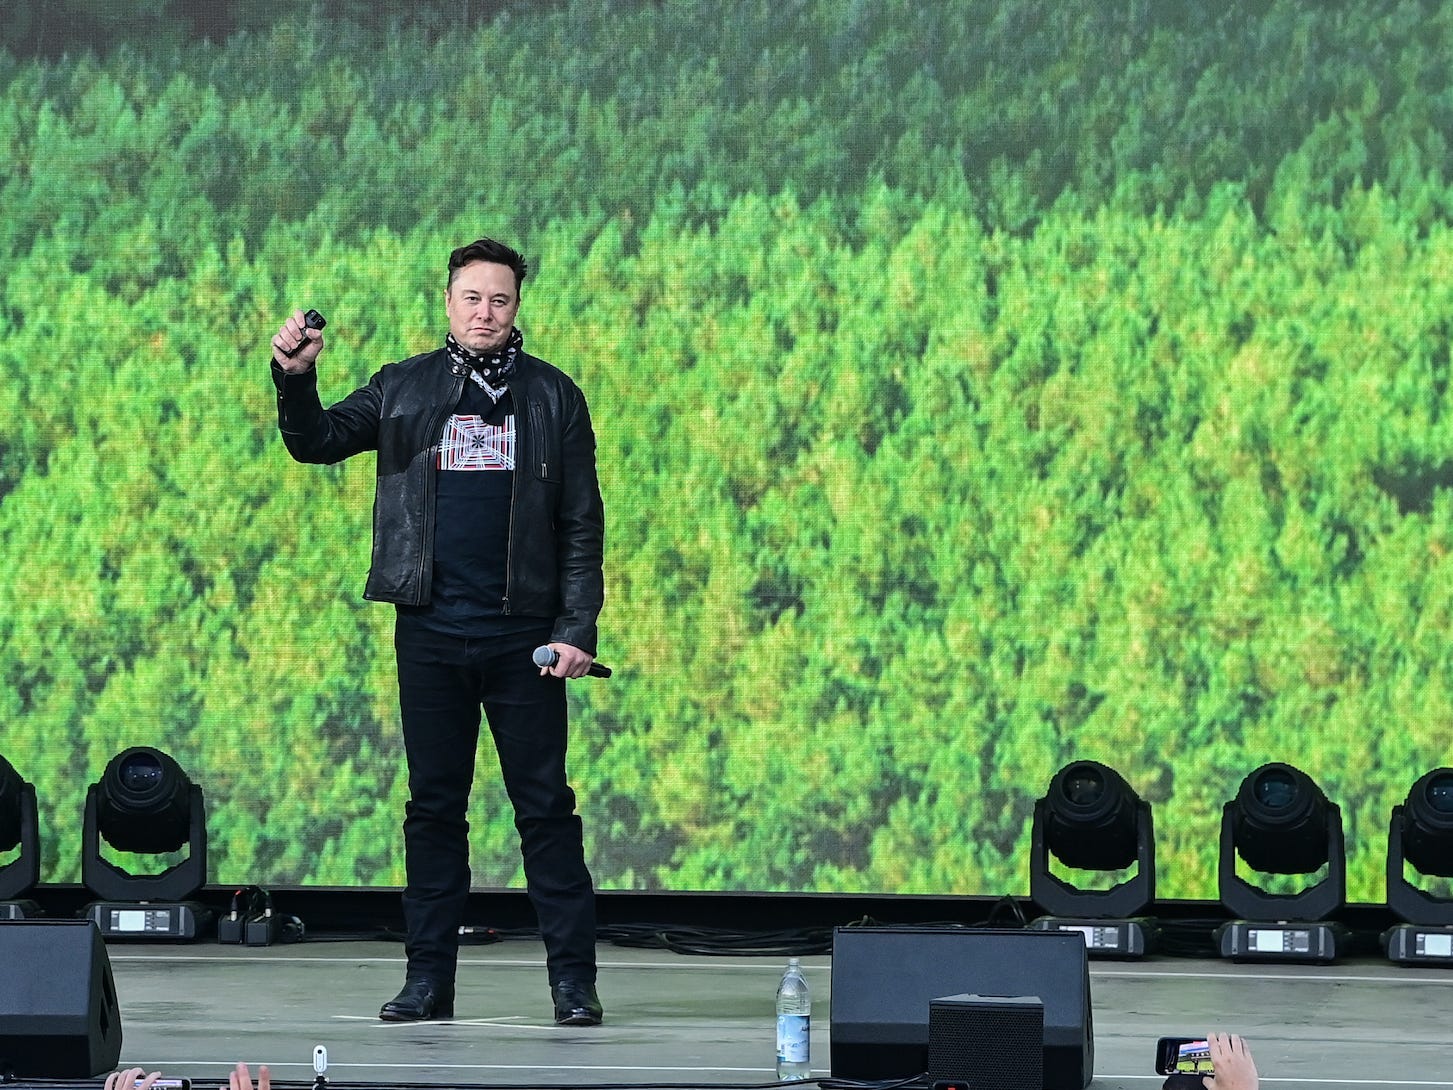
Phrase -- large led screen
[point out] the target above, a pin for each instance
(979, 386)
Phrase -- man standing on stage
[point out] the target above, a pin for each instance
(488, 533)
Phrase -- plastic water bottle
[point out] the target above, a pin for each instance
(794, 1024)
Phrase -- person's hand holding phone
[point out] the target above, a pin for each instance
(1231, 1059)
(133, 1078)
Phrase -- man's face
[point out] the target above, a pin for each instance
(482, 304)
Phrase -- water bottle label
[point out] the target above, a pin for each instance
(792, 1038)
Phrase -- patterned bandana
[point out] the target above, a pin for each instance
(490, 371)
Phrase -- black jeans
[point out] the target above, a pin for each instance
(443, 682)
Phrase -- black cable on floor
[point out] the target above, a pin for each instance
(719, 942)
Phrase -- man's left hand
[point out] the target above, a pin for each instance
(573, 662)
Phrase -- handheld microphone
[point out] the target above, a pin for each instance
(546, 657)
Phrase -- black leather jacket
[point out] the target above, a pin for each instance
(557, 522)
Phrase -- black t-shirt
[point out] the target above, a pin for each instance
(476, 464)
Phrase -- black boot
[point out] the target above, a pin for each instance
(420, 1000)
(576, 1003)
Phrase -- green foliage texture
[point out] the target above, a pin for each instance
(979, 386)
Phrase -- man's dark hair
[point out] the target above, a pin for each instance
(487, 249)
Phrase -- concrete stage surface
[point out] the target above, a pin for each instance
(194, 1010)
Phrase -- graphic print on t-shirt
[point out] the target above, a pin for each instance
(471, 445)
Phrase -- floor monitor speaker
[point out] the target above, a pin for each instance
(58, 1013)
(885, 978)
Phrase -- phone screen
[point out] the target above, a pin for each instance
(1183, 1056)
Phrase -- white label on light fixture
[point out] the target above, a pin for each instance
(1096, 938)
(1436, 946)
(129, 920)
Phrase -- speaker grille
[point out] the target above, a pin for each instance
(994, 1042)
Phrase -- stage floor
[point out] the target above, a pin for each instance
(195, 1010)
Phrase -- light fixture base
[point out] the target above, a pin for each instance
(1281, 940)
(1411, 944)
(154, 920)
(1133, 937)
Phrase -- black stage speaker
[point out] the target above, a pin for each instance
(987, 1041)
(58, 1013)
(883, 979)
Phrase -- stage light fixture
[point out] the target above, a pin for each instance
(1421, 836)
(19, 828)
(1281, 823)
(145, 804)
(1092, 820)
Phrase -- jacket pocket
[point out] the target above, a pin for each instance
(544, 447)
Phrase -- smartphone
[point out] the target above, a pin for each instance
(1183, 1056)
(169, 1084)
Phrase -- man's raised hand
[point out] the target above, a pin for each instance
(296, 346)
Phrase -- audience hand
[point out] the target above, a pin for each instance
(1232, 1060)
(241, 1078)
(125, 1080)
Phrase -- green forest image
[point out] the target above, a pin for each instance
(979, 387)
